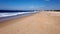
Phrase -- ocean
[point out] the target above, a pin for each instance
(12, 15)
(6, 13)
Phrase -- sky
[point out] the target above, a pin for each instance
(29, 4)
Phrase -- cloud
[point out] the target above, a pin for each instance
(36, 7)
(47, 0)
(31, 7)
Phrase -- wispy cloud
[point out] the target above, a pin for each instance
(47, 0)
(32, 7)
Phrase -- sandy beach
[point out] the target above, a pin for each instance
(39, 23)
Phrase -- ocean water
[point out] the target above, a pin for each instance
(12, 14)
(6, 13)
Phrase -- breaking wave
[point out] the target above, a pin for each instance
(12, 14)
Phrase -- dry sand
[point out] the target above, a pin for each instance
(39, 23)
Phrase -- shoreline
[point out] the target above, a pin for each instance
(38, 23)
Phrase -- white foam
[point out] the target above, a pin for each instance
(12, 14)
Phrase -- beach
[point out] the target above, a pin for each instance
(39, 23)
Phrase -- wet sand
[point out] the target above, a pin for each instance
(39, 23)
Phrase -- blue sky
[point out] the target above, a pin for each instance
(30, 4)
